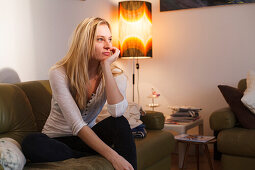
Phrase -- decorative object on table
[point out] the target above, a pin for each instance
(167, 5)
(183, 114)
(135, 34)
(153, 96)
(194, 138)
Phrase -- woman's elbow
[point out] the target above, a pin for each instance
(77, 128)
(118, 109)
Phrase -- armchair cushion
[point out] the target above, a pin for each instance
(237, 141)
(233, 98)
(222, 119)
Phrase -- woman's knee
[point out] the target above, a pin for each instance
(122, 126)
(121, 121)
(32, 141)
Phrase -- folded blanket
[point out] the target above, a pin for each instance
(132, 114)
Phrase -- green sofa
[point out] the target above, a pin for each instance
(24, 108)
(235, 145)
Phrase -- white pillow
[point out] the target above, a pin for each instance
(248, 98)
(11, 156)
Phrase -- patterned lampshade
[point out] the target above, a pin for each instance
(135, 29)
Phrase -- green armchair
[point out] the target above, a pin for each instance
(235, 145)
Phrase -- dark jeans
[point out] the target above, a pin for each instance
(115, 132)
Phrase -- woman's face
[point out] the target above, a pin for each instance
(103, 43)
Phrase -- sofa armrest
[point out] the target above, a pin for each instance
(153, 120)
(222, 119)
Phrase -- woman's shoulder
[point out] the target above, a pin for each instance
(56, 72)
(59, 70)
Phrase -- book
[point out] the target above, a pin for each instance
(185, 114)
(184, 118)
(181, 119)
(184, 108)
(169, 121)
(194, 138)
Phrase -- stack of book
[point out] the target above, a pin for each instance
(183, 114)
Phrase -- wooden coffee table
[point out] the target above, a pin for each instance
(182, 128)
(206, 150)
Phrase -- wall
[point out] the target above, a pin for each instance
(194, 50)
(35, 34)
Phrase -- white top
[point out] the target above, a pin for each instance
(65, 118)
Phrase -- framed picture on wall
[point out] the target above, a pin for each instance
(169, 5)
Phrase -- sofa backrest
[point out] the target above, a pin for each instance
(39, 95)
(16, 115)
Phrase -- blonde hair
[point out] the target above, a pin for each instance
(77, 58)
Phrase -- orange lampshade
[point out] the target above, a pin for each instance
(135, 29)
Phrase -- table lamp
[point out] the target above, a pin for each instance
(135, 33)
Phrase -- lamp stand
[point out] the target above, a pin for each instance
(133, 79)
(137, 67)
(137, 84)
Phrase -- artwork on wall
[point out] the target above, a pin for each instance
(169, 5)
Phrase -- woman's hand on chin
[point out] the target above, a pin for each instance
(115, 54)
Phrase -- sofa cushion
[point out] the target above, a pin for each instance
(91, 162)
(153, 148)
(16, 117)
(233, 162)
(237, 141)
(233, 98)
(39, 95)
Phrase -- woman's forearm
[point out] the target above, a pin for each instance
(113, 93)
(93, 141)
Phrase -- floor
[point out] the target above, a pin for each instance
(192, 165)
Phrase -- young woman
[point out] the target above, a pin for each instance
(81, 84)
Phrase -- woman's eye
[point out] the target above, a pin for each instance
(100, 39)
(110, 40)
